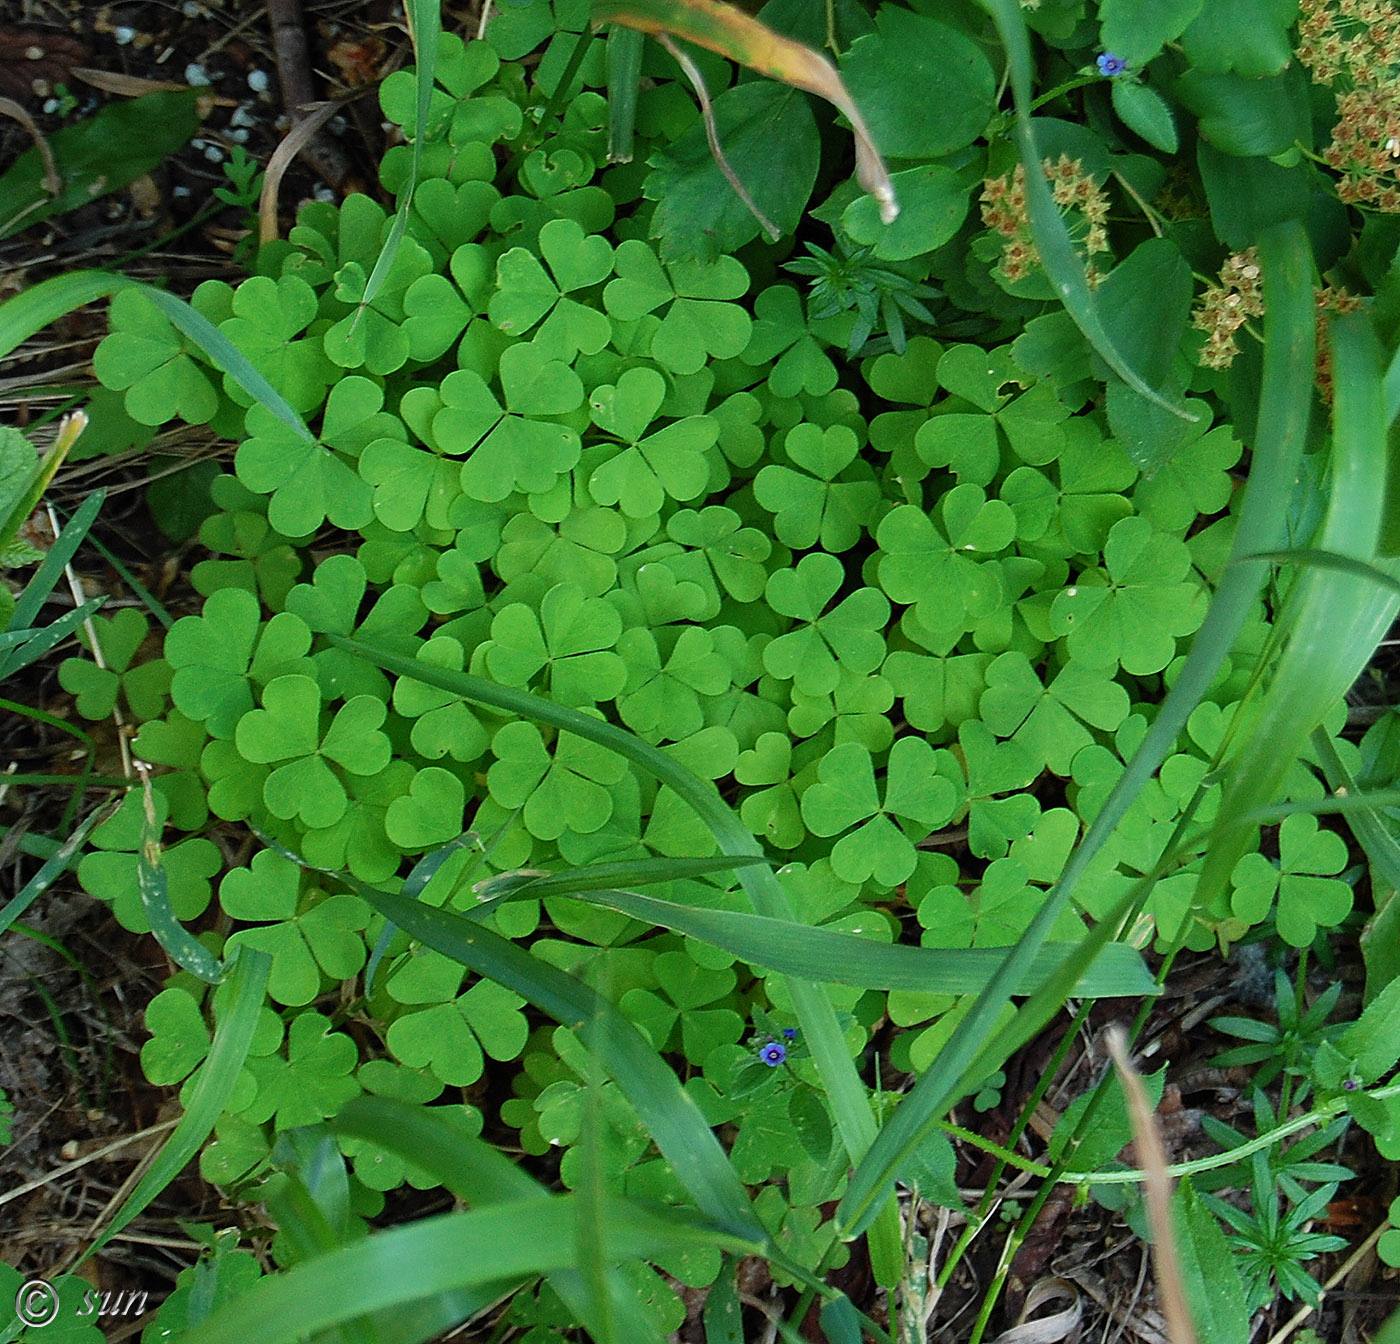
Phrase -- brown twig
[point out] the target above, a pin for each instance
(298, 88)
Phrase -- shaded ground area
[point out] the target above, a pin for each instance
(74, 984)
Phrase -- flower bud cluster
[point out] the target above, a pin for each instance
(1354, 47)
(1076, 193)
(1227, 306)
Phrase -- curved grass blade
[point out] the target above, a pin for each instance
(421, 874)
(1052, 239)
(27, 646)
(30, 312)
(605, 876)
(499, 1244)
(69, 428)
(666, 1109)
(425, 27)
(1330, 560)
(41, 585)
(178, 943)
(1332, 619)
(845, 959)
(817, 1018)
(247, 983)
(1285, 403)
(478, 1174)
(53, 866)
(623, 53)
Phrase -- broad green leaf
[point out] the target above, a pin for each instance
(927, 89)
(769, 138)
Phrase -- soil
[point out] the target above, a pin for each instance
(74, 984)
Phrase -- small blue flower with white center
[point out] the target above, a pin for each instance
(773, 1054)
(1111, 66)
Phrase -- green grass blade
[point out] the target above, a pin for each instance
(1359, 809)
(624, 63)
(845, 959)
(1329, 560)
(478, 1174)
(605, 876)
(473, 1170)
(178, 943)
(1332, 619)
(52, 867)
(27, 646)
(1052, 238)
(501, 1243)
(247, 984)
(425, 25)
(45, 578)
(422, 873)
(28, 498)
(143, 594)
(666, 1109)
(1285, 403)
(816, 1016)
(30, 311)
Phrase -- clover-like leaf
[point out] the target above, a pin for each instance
(1052, 722)
(179, 1038)
(938, 692)
(650, 468)
(580, 548)
(449, 1038)
(119, 638)
(308, 482)
(527, 293)
(571, 639)
(268, 317)
(933, 568)
(312, 1082)
(431, 813)
(309, 941)
(372, 335)
(563, 789)
(994, 768)
(1308, 895)
(443, 724)
(508, 451)
(783, 344)
(811, 505)
(406, 481)
(1131, 612)
(661, 699)
(774, 810)
(736, 553)
(697, 324)
(287, 732)
(109, 870)
(148, 360)
(919, 796)
(849, 635)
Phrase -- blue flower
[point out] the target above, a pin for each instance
(790, 1033)
(773, 1054)
(1111, 66)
